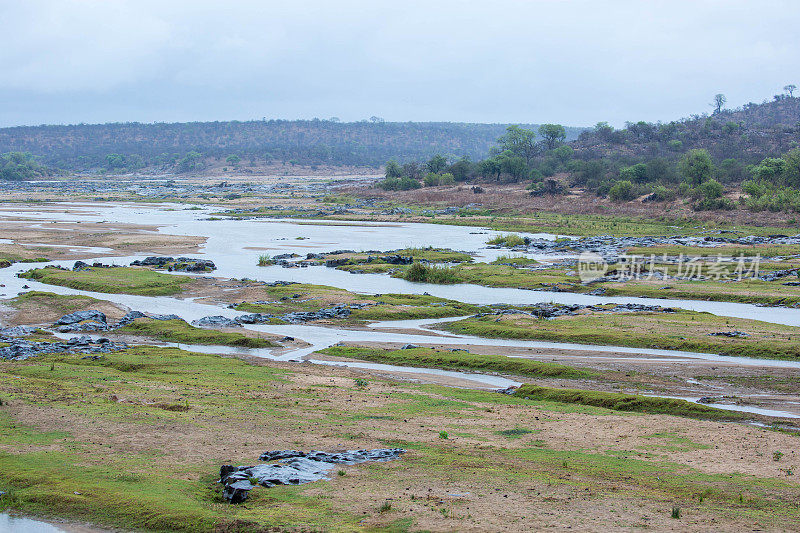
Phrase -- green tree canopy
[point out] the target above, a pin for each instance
(553, 134)
(696, 167)
(437, 164)
(520, 142)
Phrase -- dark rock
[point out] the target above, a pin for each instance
(217, 321)
(17, 331)
(397, 260)
(280, 454)
(153, 261)
(409, 347)
(80, 316)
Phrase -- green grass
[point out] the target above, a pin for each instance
(122, 280)
(180, 331)
(627, 402)
(121, 460)
(517, 260)
(420, 273)
(430, 358)
(508, 240)
(682, 330)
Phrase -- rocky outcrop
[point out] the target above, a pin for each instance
(217, 321)
(293, 468)
(91, 320)
(19, 349)
(179, 264)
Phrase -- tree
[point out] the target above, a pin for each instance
(719, 102)
(696, 167)
(553, 134)
(393, 169)
(770, 169)
(376, 120)
(114, 161)
(637, 173)
(791, 172)
(461, 169)
(514, 166)
(233, 159)
(790, 89)
(412, 170)
(437, 164)
(490, 167)
(520, 142)
(18, 166)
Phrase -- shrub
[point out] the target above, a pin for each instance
(509, 241)
(431, 274)
(622, 191)
(431, 179)
(447, 179)
(399, 184)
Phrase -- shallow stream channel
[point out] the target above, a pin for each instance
(235, 245)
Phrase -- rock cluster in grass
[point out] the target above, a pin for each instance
(19, 348)
(80, 265)
(552, 310)
(296, 317)
(179, 264)
(293, 467)
(610, 246)
(94, 320)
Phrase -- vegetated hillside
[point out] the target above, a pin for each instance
(704, 161)
(135, 145)
(747, 134)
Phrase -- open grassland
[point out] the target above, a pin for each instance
(681, 330)
(430, 358)
(136, 439)
(120, 280)
(180, 331)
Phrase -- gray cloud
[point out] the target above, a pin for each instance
(574, 62)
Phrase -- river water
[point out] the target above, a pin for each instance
(234, 245)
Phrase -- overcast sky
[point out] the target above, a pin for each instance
(571, 62)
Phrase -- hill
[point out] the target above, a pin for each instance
(182, 145)
(748, 134)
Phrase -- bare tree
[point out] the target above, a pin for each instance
(719, 102)
(790, 89)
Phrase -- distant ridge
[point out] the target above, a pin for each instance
(306, 142)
